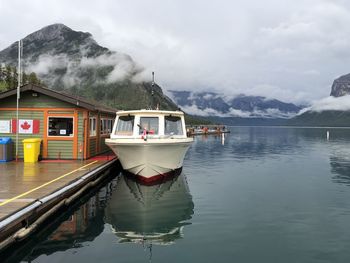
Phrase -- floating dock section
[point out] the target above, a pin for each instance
(206, 130)
(32, 192)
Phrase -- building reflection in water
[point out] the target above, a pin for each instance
(150, 214)
(137, 213)
(84, 224)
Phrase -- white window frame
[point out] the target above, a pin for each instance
(109, 126)
(92, 124)
(102, 126)
(106, 126)
(62, 117)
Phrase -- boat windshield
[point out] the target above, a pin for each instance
(125, 125)
(173, 125)
(151, 125)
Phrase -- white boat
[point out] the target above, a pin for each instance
(150, 143)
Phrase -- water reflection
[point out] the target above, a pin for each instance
(137, 213)
(278, 192)
(247, 143)
(84, 224)
(153, 214)
(340, 164)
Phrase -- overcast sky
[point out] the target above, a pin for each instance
(287, 49)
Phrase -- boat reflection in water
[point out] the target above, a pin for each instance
(150, 214)
(137, 213)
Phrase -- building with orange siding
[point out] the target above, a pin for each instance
(70, 127)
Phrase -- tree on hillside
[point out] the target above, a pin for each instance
(9, 78)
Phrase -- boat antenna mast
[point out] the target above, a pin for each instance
(152, 90)
(152, 93)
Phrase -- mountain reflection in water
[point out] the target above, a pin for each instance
(340, 163)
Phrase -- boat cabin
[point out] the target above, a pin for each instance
(150, 123)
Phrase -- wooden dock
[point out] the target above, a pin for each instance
(206, 130)
(28, 191)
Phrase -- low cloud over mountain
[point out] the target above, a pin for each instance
(214, 104)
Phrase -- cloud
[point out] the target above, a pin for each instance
(268, 113)
(330, 103)
(194, 110)
(122, 67)
(297, 47)
(238, 113)
(208, 96)
(276, 92)
(46, 63)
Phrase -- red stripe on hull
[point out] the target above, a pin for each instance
(156, 179)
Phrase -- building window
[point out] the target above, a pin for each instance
(110, 125)
(173, 126)
(125, 125)
(92, 125)
(106, 126)
(60, 126)
(150, 124)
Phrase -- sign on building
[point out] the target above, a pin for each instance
(5, 126)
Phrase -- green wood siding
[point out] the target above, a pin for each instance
(92, 147)
(81, 133)
(60, 149)
(28, 101)
(32, 115)
(103, 145)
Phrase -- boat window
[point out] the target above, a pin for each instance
(151, 124)
(125, 125)
(60, 126)
(173, 125)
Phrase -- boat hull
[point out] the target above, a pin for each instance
(150, 160)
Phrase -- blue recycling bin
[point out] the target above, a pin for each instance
(6, 146)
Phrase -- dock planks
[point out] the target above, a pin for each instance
(23, 183)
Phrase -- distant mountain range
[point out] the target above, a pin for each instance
(260, 111)
(214, 104)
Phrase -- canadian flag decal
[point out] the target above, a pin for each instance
(26, 126)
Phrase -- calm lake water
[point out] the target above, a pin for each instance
(259, 195)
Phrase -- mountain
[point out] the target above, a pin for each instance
(329, 118)
(73, 62)
(333, 112)
(214, 104)
(341, 86)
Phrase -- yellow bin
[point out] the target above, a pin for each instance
(31, 150)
